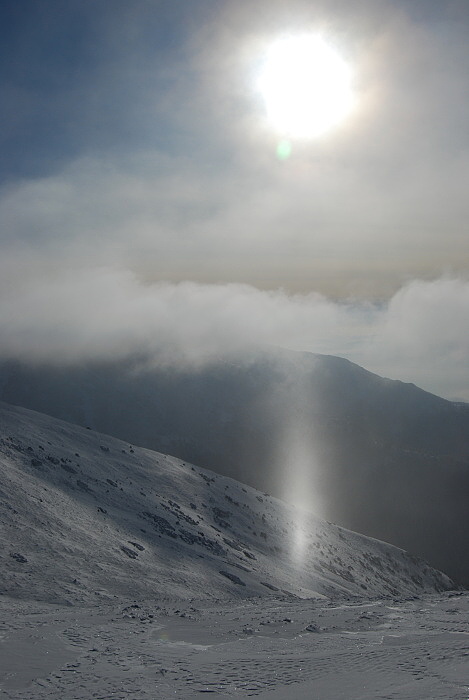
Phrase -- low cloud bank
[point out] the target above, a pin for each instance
(420, 335)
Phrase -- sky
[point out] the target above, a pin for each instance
(144, 206)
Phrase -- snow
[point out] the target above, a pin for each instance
(130, 574)
(265, 647)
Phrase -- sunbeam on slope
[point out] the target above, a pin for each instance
(298, 469)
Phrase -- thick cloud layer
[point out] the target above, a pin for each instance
(420, 335)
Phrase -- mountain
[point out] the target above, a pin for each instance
(86, 517)
(374, 455)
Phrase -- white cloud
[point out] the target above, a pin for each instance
(314, 224)
(421, 335)
(99, 313)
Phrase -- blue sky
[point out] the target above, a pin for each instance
(80, 76)
(135, 147)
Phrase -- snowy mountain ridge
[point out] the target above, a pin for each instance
(85, 516)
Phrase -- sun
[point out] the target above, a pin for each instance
(306, 86)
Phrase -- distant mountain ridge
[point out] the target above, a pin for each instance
(87, 518)
(384, 457)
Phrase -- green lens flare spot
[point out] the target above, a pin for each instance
(284, 150)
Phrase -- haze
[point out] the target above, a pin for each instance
(144, 207)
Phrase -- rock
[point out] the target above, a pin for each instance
(232, 577)
(18, 557)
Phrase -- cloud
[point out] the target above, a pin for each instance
(149, 213)
(164, 164)
(321, 225)
(100, 313)
(420, 335)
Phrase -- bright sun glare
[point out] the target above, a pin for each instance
(305, 85)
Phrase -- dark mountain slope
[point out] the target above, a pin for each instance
(378, 456)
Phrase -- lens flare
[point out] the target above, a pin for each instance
(284, 149)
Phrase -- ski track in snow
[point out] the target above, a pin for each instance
(267, 648)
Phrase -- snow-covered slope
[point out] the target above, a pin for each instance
(380, 457)
(86, 516)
